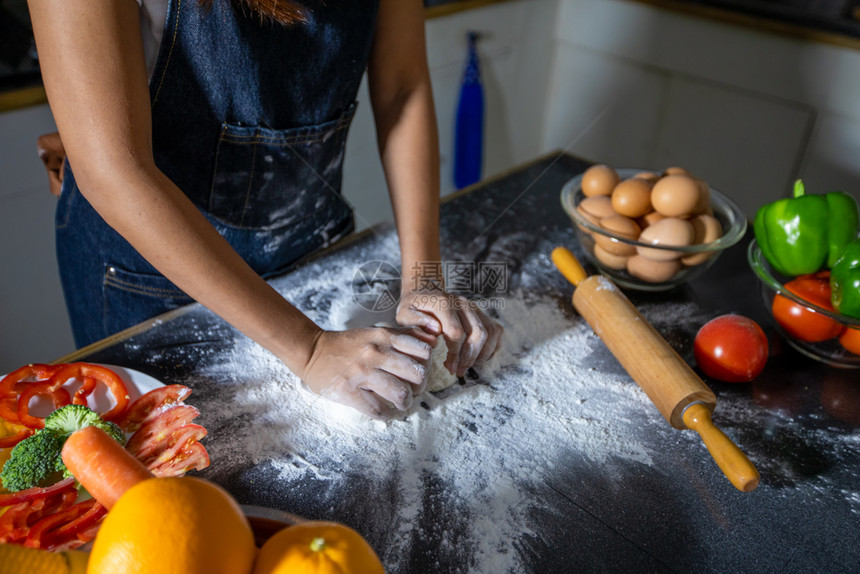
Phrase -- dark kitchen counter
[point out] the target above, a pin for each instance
(550, 461)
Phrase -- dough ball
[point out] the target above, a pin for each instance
(438, 376)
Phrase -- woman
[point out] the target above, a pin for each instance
(203, 159)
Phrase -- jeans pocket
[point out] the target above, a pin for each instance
(268, 179)
(131, 297)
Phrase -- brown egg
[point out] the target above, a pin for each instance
(621, 226)
(610, 260)
(632, 197)
(704, 205)
(597, 207)
(650, 270)
(676, 195)
(675, 170)
(647, 176)
(706, 228)
(599, 180)
(670, 231)
(649, 219)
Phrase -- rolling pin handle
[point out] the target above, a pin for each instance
(731, 460)
(569, 265)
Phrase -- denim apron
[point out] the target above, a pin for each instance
(249, 120)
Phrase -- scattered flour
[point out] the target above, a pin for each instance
(487, 441)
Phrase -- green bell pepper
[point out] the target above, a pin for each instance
(845, 281)
(802, 234)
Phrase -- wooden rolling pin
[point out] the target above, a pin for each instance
(680, 395)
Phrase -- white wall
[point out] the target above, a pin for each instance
(750, 111)
(33, 323)
(515, 49)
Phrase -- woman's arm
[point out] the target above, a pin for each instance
(402, 99)
(94, 73)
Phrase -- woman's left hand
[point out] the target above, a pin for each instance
(472, 336)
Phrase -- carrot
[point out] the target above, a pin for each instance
(102, 465)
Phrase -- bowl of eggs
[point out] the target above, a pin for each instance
(650, 230)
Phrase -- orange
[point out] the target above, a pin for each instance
(174, 526)
(317, 547)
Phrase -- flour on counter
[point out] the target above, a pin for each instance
(532, 407)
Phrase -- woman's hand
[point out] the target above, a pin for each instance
(472, 336)
(373, 370)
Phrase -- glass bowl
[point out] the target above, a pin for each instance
(772, 283)
(731, 218)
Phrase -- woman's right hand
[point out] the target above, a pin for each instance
(373, 370)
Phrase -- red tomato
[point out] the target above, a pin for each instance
(850, 339)
(151, 404)
(152, 435)
(802, 322)
(192, 457)
(731, 348)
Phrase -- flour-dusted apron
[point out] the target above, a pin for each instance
(249, 120)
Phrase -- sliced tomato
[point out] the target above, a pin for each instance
(59, 396)
(192, 457)
(113, 382)
(151, 435)
(151, 404)
(170, 444)
(37, 493)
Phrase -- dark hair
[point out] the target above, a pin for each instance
(286, 12)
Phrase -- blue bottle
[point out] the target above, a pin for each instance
(469, 133)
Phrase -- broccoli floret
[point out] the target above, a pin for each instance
(70, 418)
(38, 458)
(32, 461)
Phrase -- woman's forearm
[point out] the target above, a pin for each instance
(402, 100)
(169, 232)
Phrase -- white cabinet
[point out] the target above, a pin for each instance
(748, 110)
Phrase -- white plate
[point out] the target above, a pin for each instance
(101, 400)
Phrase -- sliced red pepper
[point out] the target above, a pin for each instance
(59, 396)
(27, 373)
(36, 493)
(9, 409)
(81, 371)
(151, 404)
(13, 522)
(10, 387)
(40, 534)
(16, 522)
(84, 391)
(14, 439)
(92, 514)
